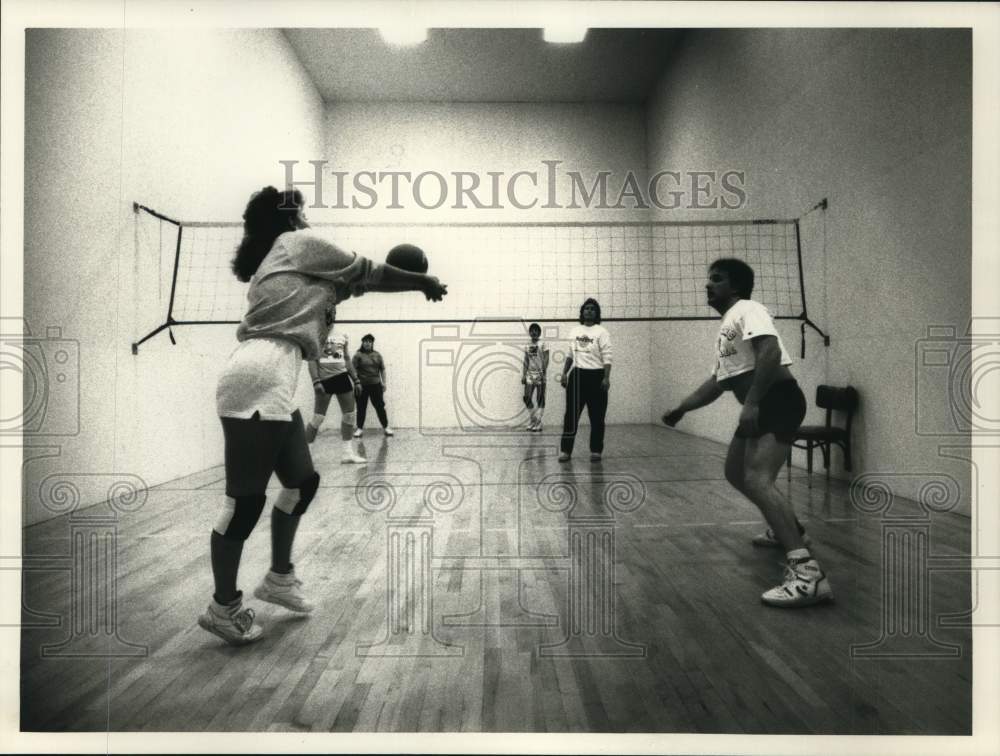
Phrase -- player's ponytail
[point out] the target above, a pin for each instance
(269, 213)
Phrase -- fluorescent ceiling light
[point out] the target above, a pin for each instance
(403, 35)
(564, 33)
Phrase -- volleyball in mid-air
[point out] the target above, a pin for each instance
(408, 257)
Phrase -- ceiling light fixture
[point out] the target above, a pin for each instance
(564, 33)
(403, 35)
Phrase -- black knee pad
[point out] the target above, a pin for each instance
(245, 515)
(307, 491)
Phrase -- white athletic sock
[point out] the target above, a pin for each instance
(541, 411)
(317, 420)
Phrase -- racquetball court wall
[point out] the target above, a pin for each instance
(807, 116)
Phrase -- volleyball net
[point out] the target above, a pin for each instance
(500, 271)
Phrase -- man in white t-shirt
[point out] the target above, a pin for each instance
(752, 362)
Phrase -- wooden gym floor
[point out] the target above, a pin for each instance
(613, 597)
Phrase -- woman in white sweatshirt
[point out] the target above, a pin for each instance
(586, 377)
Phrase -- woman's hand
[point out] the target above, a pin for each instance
(434, 290)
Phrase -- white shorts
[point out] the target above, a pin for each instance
(534, 379)
(260, 376)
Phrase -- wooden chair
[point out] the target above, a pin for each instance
(823, 437)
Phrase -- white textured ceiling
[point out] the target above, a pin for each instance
(484, 65)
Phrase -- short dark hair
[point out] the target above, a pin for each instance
(535, 327)
(368, 337)
(597, 307)
(739, 273)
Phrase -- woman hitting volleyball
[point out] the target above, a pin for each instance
(333, 375)
(752, 362)
(296, 279)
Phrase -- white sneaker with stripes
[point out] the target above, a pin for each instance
(231, 622)
(805, 584)
(283, 590)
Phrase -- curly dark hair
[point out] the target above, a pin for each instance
(597, 307)
(269, 214)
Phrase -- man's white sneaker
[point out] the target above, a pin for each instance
(359, 433)
(283, 590)
(388, 431)
(231, 622)
(768, 540)
(563, 457)
(805, 584)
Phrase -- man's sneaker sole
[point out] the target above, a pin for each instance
(764, 541)
(826, 598)
(205, 624)
(276, 599)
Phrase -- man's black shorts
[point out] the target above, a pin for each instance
(781, 412)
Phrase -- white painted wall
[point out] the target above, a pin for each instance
(189, 123)
(194, 121)
(484, 137)
(879, 122)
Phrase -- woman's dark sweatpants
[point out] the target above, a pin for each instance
(583, 387)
